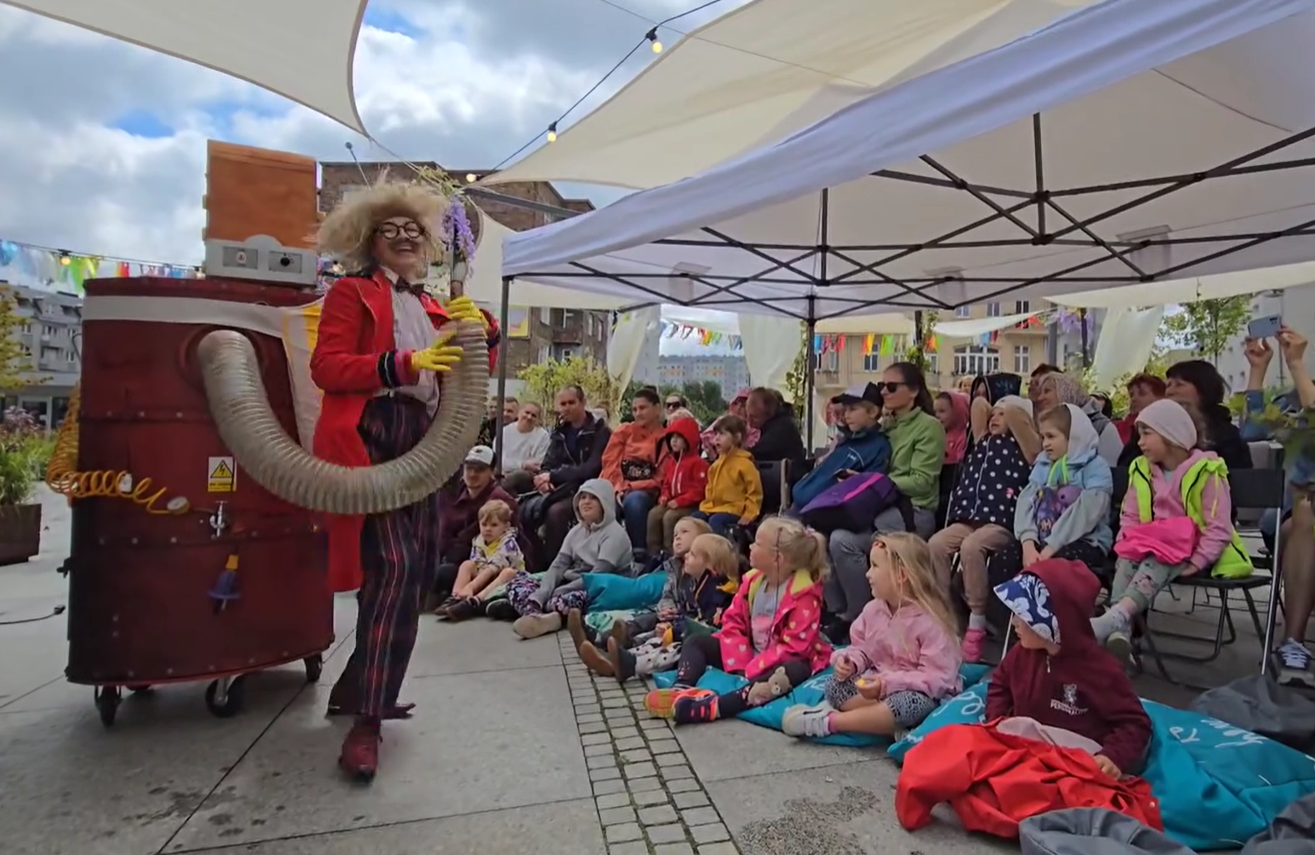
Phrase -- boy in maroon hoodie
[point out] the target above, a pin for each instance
(684, 475)
(1059, 675)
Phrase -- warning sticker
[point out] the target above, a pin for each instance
(223, 475)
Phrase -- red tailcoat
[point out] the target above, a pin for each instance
(355, 339)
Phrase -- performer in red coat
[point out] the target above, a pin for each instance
(378, 357)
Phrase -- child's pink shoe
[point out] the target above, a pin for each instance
(971, 648)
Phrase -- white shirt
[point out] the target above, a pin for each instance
(413, 330)
(521, 448)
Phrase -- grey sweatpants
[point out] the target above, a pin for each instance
(847, 591)
(1140, 581)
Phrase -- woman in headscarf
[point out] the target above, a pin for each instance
(1056, 389)
(952, 411)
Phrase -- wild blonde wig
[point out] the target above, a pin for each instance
(347, 233)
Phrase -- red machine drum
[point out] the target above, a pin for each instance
(142, 585)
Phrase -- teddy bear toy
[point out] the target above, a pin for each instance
(765, 691)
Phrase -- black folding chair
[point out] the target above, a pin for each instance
(1251, 489)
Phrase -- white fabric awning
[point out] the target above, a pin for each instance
(1215, 287)
(1162, 127)
(764, 71)
(300, 49)
(977, 327)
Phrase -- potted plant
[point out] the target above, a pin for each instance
(21, 446)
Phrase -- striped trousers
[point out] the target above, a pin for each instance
(398, 560)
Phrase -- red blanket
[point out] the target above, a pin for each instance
(995, 780)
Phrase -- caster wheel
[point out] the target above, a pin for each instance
(314, 668)
(107, 704)
(224, 698)
(141, 690)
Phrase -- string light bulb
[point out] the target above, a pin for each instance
(470, 177)
(652, 37)
(64, 258)
(552, 132)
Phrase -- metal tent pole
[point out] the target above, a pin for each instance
(502, 372)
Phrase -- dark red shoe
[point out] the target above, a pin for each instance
(360, 752)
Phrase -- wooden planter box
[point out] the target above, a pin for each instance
(20, 533)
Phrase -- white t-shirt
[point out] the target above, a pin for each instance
(521, 448)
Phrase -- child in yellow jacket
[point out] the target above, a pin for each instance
(734, 494)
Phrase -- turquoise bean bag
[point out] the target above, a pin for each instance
(809, 693)
(1217, 784)
(609, 592)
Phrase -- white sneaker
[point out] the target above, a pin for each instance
(802, 720)
(1120, 645)
(1294, 664)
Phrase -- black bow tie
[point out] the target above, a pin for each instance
(402, 285)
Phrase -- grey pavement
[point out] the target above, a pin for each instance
(514, 748)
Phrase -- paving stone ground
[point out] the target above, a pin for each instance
(515, 747)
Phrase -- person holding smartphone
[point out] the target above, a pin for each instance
(1260, 422)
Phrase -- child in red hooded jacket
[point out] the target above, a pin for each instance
(1059, 675)
(684, 476)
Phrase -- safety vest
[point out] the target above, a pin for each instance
(1235, 562)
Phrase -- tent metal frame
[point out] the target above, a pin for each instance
(1004, 204)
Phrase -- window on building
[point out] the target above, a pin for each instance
(1022, 307)
(871, 362)
(973, 359)
(829, 361)
(993, 310)
(545, 315)
(933, 365)
(963, 312)
(1022, 359)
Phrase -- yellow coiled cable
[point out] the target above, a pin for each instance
(63, 477)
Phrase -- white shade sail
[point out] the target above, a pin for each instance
(300, 49)
(1130, 141)
(763, 71)
(1215, 287)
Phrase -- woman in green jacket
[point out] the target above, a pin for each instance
(917, 442)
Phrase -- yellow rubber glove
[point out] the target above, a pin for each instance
(439, 356)
(464, 309)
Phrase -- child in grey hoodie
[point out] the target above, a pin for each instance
(596, 544)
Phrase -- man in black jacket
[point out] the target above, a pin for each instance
(575, 454)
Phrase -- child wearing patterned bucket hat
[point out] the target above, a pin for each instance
(1058, 674)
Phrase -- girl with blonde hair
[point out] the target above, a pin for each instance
(904, 657)
(770, 634)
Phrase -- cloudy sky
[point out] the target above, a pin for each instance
(102, 146)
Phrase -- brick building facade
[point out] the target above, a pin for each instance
(553, 332)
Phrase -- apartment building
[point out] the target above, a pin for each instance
(730, 373)
(51, 336)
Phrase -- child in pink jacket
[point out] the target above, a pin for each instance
(771, 628)
(904, 655)
(1176, 520)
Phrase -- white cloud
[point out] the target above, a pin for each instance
(465, 84)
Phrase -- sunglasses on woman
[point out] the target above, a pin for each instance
(673, 405)
(890, 386)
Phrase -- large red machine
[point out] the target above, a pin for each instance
(202, 574)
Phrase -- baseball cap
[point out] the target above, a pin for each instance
(869, 392)
(481, 454)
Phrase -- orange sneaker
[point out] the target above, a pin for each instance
(662, 702)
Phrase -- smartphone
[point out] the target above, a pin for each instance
(1264, 327)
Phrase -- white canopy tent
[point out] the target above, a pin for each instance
(1133, 141)
(762, 72)
(300, 49)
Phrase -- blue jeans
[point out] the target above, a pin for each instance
(634, 515)
(721, 523)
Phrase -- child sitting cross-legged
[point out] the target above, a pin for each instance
(707, 585)
(771, 632)
(904, 653)
(1176, 520)
(495, 559)
(686, 531)
(1057, 684)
